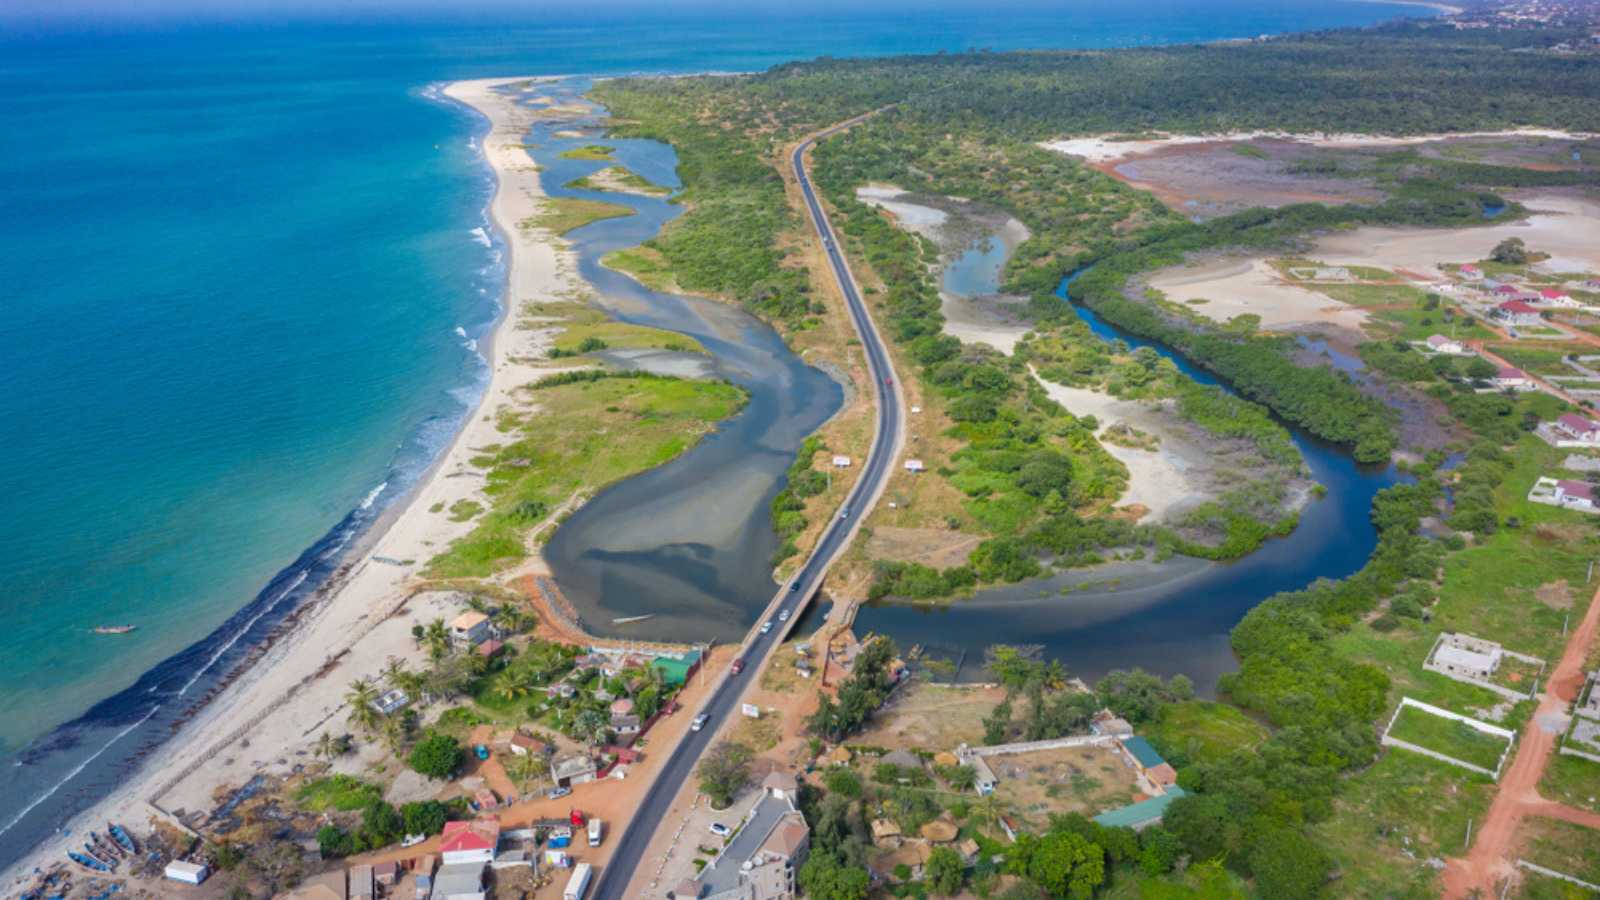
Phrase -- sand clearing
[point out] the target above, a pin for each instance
(295, 690)
(1102, 148)
(1164, 481)
(1233, 287)
(1566, 227)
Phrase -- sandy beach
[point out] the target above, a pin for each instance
(272, 713)
(1232, 287)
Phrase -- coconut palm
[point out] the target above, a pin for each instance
(511, 684)
(529, 767)
(477, 604)
(362, 694)
(396, 731)
(394, 670)
(591, 725)
(509, 619)
(330, 746)
(437, 637)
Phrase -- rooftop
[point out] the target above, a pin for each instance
(1140, 750)
(469, 620)
(479, 834)
(1142, 813)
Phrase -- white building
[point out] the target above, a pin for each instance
(1438, 343)
(841, 462)
(914, 465)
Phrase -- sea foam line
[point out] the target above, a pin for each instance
(75, 772)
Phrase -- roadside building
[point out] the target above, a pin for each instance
(362, 884)
(1470, 272)
(1509, 378)
(761, 860)
(1518, 312)
(841, 462)
(676, 671)
(470, 628)
(1438, 343)
(569, 771)
(469, 842)
(1556, 298)
(625, 725)
(986, 781)
(460, 881)
(914, 465)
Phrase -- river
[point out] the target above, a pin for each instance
(689, 543)
(1171, 617)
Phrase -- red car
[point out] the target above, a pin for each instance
(738, 666)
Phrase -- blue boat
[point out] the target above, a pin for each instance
(88, 862)
(122, 837)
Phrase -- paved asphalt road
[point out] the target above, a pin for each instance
(636, 839)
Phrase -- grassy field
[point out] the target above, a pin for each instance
(581, 437)
(1455, 739)
(563, 214)
(587, 326)
(1573, 781)
(1394, 815)
(1544, 360)
(646, 265)
(589, 151)
(1567, 848)
(617, 178)
(1202, 731)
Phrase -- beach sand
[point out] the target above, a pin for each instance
(269, 717)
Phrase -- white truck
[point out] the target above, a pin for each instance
(597, 832)
(578, 884)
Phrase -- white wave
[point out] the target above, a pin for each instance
(299, 579)
(460, 332)
(372, 496)
(480, 235)
(74, 773)
(472, 144)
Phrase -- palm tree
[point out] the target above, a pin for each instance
(362, 694)
(526, 768)
(437, 637)
(328, 746)
(511, 684)
(591, 725)
(477, 604)
(394, 670)
(395, 733)
(508, 619)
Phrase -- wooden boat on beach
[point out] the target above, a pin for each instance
(627, 619)
(114, 629)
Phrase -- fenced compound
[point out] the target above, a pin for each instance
(1388, 740)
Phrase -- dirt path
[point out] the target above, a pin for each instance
(1488, 862)
(1482, 350)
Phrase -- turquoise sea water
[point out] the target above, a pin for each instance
(241, 269)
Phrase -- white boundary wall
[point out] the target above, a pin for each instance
(1508, 736)
(1532, 867)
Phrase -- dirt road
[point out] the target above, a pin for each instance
(1488, 862)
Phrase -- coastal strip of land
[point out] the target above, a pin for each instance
(272, 712)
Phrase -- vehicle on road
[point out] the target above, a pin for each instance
(889, 381)
(720, 830)
(766, 626)
(699, 722)
(783, 615)
(597, 832)
(481, 751)
(558, 792)
(844, 513)
(738, 665)
(578, 884)
(794, 585)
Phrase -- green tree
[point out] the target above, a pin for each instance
(1511, 251)
(843, 781)
(437, 756)
(361, 696)
(1061, 862)
(424, 817)
(437, 637)
(1288, 864)
(824, 878)
(723, 771)
(943, 871)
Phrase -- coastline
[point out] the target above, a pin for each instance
(267, 717)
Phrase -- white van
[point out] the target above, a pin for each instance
(597, 832)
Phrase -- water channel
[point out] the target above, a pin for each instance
(689, 543)
(1167, 617)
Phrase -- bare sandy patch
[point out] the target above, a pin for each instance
(929, 546)
(1165, 481)
(1105, 148)
(1232, 287)
(1566, 227)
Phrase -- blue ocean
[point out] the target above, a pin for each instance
(242, 268)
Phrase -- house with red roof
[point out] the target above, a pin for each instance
(1508, 378)
(470, 842)
(1509, 290)
(1554, 297)
(1575, 494)
(1518, 312)
(1578, 428)
(1470, 271)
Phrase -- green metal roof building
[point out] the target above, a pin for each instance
(1140, 750)
(1145, 812)
(676, 671)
